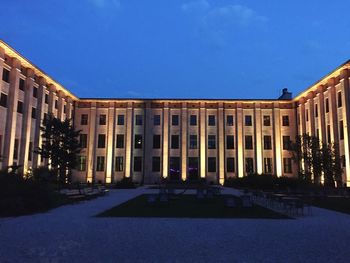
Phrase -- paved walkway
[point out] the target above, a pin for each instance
(72, 234)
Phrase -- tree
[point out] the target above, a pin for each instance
(60, 146)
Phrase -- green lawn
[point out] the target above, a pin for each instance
(339, 204)
(187, 206)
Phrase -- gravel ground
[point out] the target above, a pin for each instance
(72, 234)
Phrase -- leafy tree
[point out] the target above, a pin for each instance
(60, 146)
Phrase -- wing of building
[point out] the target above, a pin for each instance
(147, 139)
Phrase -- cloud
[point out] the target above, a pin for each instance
(101, 4)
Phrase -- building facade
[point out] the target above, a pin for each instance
(147, 139)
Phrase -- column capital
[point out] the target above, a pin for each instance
(42, 81)
(61, 94)
(321, 89)
(2, 54)
(16, 63)
(344, 74)
(51, 88)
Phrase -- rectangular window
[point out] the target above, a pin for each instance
(306, 115)
(249, 142)
(340, 103)
(35, 92)
(3, 100)
(328, 134)
(268, 165)
(120, 120)
(82, 164)
(249, 165)
(33, 113)
(6, 75)
(84, 119)
(267, 120)
(0, 145)
(230, 165)
(137, 164)
(156, 120)
(193, 141)
(64, 109)
(156, 141)
(211, 165)
(316, 111)
(285, 120)
(327, 105)
(119, 164)
(30, 151)
(100, 167)
(83, 140)
(267, 142)
(229, 120)
(175, 120)
(155, 164)
(287, 165)
(341, 130)
(343, 160)
(102, 120)
(248, 120)
(211, 142)
(230, 142)
(174, 141)
(193, 120)
(15, 149)
(101, 142)
(138, 120)
(46, 98)
(21, 84)
(138, 141)
(211, 120)
(56, 104)
(20, 107)
(120, 141)
(286, 143)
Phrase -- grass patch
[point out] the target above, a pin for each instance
(339, 204)
(187, 206)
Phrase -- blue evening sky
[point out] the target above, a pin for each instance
(180, 48)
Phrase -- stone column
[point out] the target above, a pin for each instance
(302, 116)
(184, 141)
(321, 115)
(52, 93)
(165, 140)
(221, 137)
(129, 135)
(148, 127)
(333, 116)
(202, 136)
(91, 151)
(110, 143)
(26, 121)
(2, 60)
(311, 122)
(240, 150)
(69, 107)
(60, 104)
(11, 118)
(277, 139)
(258, 139)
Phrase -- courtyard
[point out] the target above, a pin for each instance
(73, 233)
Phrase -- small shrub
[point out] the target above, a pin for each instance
(125, 183)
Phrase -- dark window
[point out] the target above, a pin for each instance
(82, 164)
(230, 165)
(174, 141)
(211, 164)
(101, 142)
(3, 100)
(83, 140)
(45, 116)
(20, 107)
(211, 120)
(340, 103)
(155, 164)
(100, 167)
(341, 130)
(286, 143)
(287, 165)
(138, 120)
(343, 160)
(306, 115)
(84, 119)
(174, 168)
(267, 142)
(15, 149)
(35, 92)
(6, 75)
(249, 165)
(229, 120)
(156, 120)
(21, 84)
(56, 104)
(193, 141)
(156, 141)
(267, 120)
(268, 165)
(248, 120)
(119, 164)
(316, 111)
(138, 141)
(120, 141)
(120, 120)
(327, 105)
(211, 142)
(33, 113)
(46, 98)
(174, 120)
(64, 109)
(193, 120)
(285, 120)
(230, 142)
(30, 151)
(102, 119)
(298, 118)
(137, 164)
(328, 134)
(248, 142)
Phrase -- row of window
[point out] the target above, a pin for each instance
(192, 164)
(193, 141)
